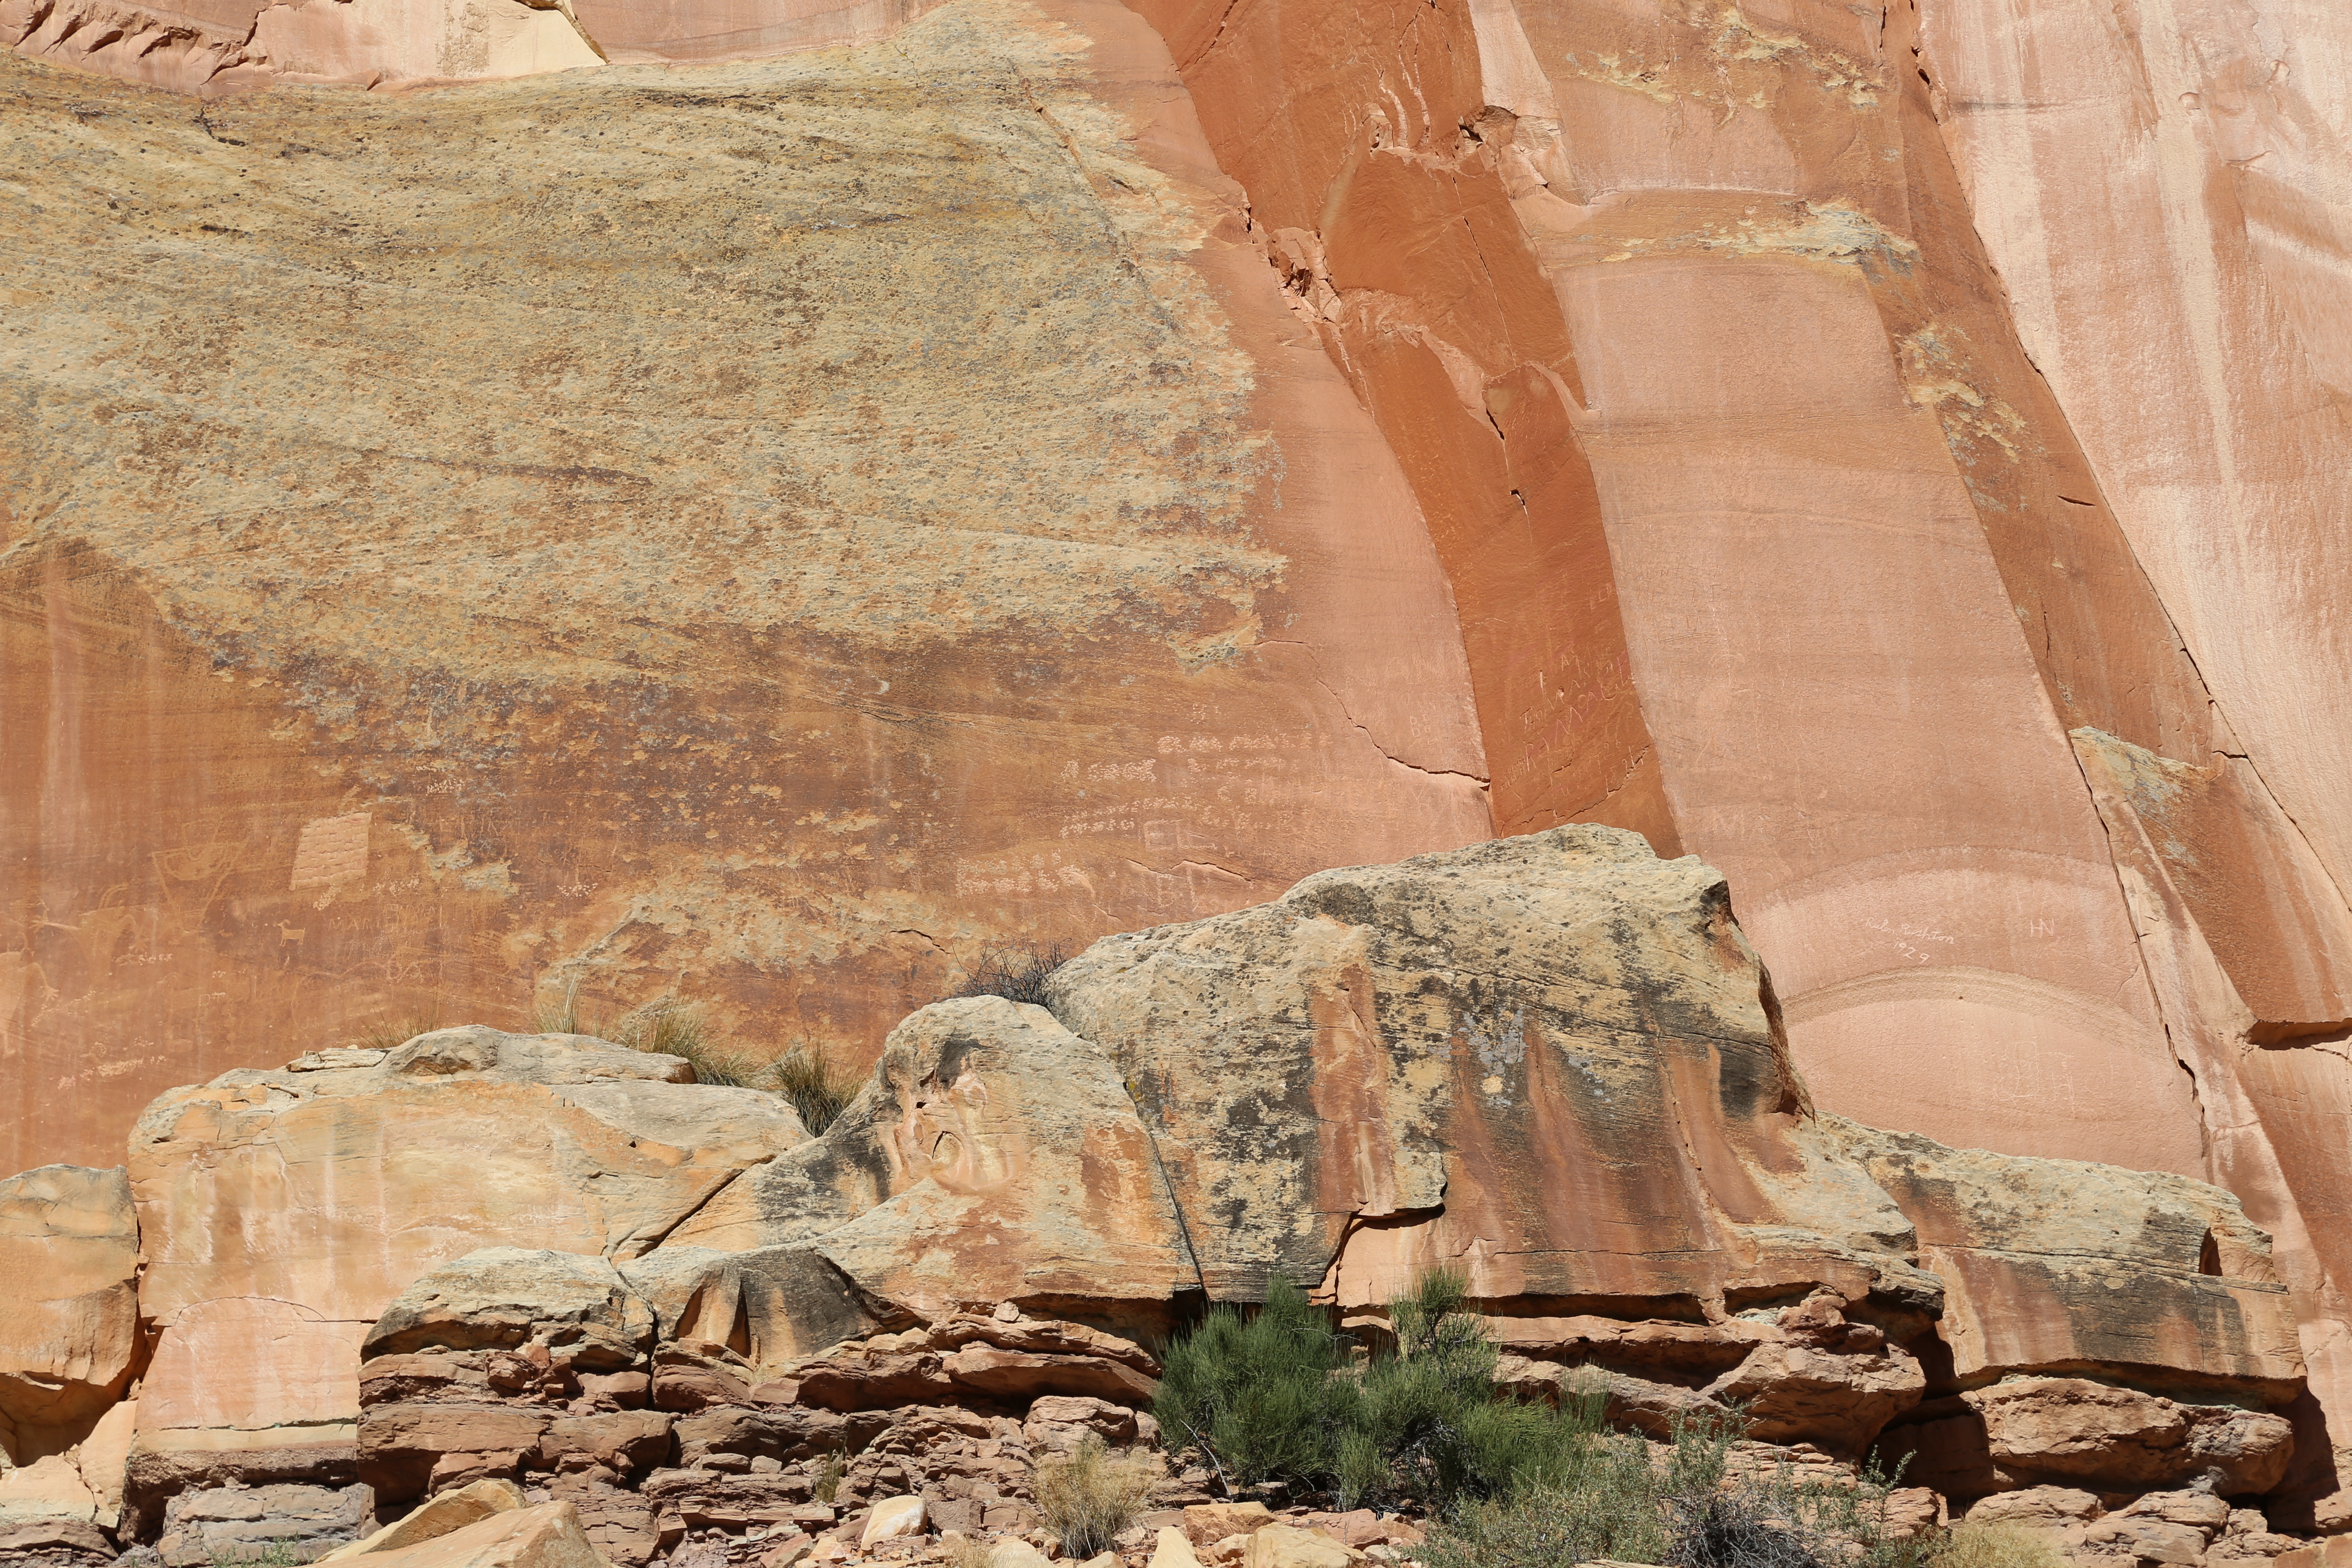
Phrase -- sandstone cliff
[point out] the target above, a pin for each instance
(764, 533)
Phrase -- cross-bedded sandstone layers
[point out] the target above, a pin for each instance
(2191, 322)
(459, 551)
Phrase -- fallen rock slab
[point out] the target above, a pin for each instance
(442, 1515)
(546, 1536)
(68, 1304)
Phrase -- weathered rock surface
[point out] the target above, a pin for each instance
(2029, 1252)
(545, 1536)
(225, 1525)
(2032, 1432)
(69, 1305)
(1542, 1059)
(996, 1156)
(503, 1295)
(440, 1515)
(970, 446)
(350, 1176)
(1520, 1056)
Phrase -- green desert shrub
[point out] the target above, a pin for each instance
(1280, 1396)
(1427, 1422)
(1687, 1509)
(1260, 1394)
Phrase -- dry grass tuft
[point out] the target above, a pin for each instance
(802, 1076)
(1967, 1545)
(968, 1551)
(815, 1090)
(1090, 1496)
(388, 1034)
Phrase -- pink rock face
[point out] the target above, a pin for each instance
(1769, 267)
(1896, 457)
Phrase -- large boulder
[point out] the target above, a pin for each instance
(1550, 1059)
(994, 1156)
(506, 1296)
(233, 1524)
(349, 1175)
(2058, 1264)
(69, 1305)
(2032, 1432)
(546, 1536)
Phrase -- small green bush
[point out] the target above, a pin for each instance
(1609, 1500)
(1258, 1394)
(1429, 1425)
(1278, 1398)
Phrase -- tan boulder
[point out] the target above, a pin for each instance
(2336, 1552)
(439, 1515)
(51, 1488)
(1800, 1392)
(2043, 1505)
(993, 1157)
(1285, 1546)
(69, 1306)
(224, 1525)
(1628, 1402)
(545, 1536)
(2148, 1540)
(1507, 1055)
(104, 1457)
(2124, 1438)
(2029, 1251)
(1057, 1424)
(1172, 1549)
(56, 1543)
(2037, 1431)
(505, 1296)
(2200, 1510)
(1208, 1523)
(718, 1500)
(892, 1518)
(461, 1140)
